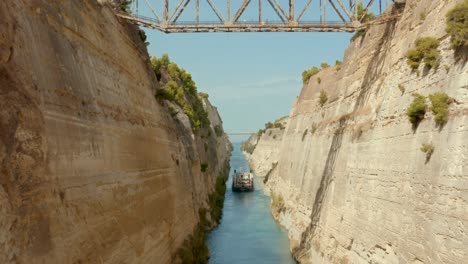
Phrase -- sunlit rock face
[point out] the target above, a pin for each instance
(266, 149)
(359, 189)
(93, 169)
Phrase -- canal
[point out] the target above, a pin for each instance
(247, 232)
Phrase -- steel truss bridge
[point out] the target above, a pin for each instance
(165, 15)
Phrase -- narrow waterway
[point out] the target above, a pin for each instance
(247, 233)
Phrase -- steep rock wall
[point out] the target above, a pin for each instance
(92, 168)
(265, 149)
(359, 189)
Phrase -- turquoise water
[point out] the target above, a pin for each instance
(247, 233)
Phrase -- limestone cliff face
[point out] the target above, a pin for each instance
(265, 149)
(358, 189)
(93, 169)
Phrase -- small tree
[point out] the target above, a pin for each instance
(428, 149)
(440, 103)
(417, 109)
(309, 73)
(124, 5)
(338, 64)
(323, 98)
(457, 25)
(425, 50)
(324, 65)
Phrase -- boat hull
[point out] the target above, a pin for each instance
(236, 188)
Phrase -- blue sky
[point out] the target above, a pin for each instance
(252, 78)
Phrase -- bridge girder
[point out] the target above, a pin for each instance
(169, 22)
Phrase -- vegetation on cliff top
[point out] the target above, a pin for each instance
(457, 25)
(425, 50)
(309, 73)
(277, 124)
(181, 90)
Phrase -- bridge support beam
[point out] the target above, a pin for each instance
(291, 11)
(167, 19)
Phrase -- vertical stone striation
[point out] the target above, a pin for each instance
(359, 189)
(266, 149)
(92, 168)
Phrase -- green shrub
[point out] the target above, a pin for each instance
(338, 64)
(426, 50)
(417, 109)
(194, 249)
(203, 95)
(124, 6)
(143, 36)
(269, 125)
(170, 92)
(203, 167)
(457, 25)
(324, 65)
(172, 111)
(440, 103)
(309, 73)
(279, 125)
(323, 98)
(173, 70)
(216, 199)
(428, 149)
(319, 80)
(260, 132)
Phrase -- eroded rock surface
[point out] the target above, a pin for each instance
(93, 169)
(359, 189)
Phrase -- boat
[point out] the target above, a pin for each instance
(242, 181)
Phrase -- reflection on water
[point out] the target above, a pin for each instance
(247, 233)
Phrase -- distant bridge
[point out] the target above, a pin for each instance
(332, 16)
